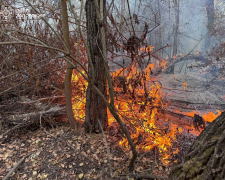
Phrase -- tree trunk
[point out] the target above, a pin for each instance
(210, 23)
(95, 108)
(176, 30)
(206, 157)
(69, 70)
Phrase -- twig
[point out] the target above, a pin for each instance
(15, 167)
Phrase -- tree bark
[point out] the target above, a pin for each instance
(69, 70)
(206, 157)
(95, 108)
(210, 23)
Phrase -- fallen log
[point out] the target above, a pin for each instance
(176, 118)
(22, 118)
(24, 121)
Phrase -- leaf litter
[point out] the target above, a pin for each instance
(51, 158)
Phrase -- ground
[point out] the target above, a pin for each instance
(62, 153)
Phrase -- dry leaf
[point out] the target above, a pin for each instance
(44, 176)
(81, 175)
(81, 164)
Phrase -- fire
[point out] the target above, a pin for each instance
(138, 101)
(147, 49)
(185, 85)
(79, 95)
(139, 105)
(208, 116)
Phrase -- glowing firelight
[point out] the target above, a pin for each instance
(138, 104)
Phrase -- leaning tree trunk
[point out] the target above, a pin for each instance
(206, 157)
(95, 108)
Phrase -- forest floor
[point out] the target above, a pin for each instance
(62, 153)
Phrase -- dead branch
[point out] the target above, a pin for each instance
(24, 120)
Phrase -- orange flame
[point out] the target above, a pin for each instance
(208, 117)
(185, 85)
(147, 49)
